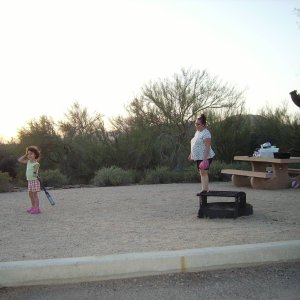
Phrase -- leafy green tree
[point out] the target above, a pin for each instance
(231, 135)
(85, 141)
(79, 122)
(295, 136)
(279, 128)
(42, 133)
(8, 163)
(132, 144)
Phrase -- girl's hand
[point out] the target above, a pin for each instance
(23, 159)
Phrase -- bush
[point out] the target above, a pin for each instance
(4, 182)
(158, 175)
(216, 167)
(191, 174)
(176, 176)
(215, 170)
(137, 176)
(113, 176)
(53, 178)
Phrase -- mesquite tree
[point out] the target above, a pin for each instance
(172, 106)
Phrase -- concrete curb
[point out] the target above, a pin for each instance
(83, 269)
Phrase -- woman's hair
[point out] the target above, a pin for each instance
(35, 150)
(202, 119)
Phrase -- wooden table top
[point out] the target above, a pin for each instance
(290, 160)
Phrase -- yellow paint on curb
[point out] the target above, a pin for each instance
(182, 264)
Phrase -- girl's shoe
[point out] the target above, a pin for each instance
(29, 209)
(35, 211)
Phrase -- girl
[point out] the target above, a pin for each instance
(201, 151)
(31, 159)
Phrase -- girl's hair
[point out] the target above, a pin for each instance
(202, 119)
(35, 150)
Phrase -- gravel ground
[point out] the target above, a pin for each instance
(109, 220)
(142, 218)
(276, 281)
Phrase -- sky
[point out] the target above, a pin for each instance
(101, 53)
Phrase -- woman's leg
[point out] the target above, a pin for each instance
(204, 180)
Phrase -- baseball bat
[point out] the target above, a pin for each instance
(50, 199)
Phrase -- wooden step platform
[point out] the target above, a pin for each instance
(233, 209)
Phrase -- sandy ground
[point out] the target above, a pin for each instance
(110, 220)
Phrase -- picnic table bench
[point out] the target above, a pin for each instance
(259, 177)
(294, 171)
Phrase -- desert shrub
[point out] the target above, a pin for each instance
(137, 176)
(176, 176)
(217, 166)
(4, 182)
(53, 178)
(215, 170)
(113, 176)
(191, 174)
(158, 175)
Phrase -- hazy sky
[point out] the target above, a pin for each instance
(100, 53)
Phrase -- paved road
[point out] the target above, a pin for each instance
(276, 281)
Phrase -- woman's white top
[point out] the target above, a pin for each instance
(198, 146)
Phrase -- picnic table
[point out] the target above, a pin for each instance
(267, 172)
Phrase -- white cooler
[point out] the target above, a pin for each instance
(268, 152)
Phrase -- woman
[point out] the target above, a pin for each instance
(201, 151)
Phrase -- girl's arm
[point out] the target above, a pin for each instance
(23, 159)
(36, 168)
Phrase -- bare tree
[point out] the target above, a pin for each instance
(172, 105)
(187, 94)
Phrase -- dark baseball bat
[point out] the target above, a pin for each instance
(50, 199)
